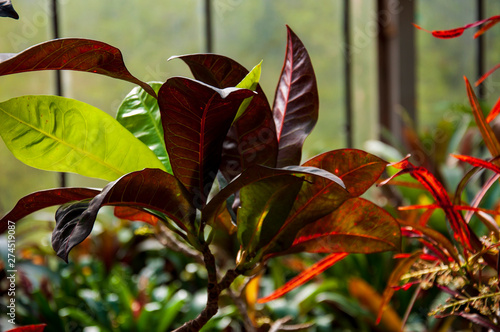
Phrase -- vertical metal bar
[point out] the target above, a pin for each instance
(481, 50)
(348, 76)
(208, 27)
(58, 76)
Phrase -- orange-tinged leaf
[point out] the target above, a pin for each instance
(128, 213)
(305, 276)
(370, 299)
(251, 295)
(486, 132)
(487, 74)
(478, 162)
(403, 267)
(358, 226)
(487, 26)
(494, 111)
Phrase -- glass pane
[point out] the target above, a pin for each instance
(17, 179)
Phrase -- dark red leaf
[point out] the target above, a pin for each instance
(196, 118)
(252, 138)
(43, 199)
(296, 102)
(358, 226)
(457, 32)
(358, 169)
(72, 54)
(150, 188)
(29, 328)
(305, 276)
(133, 214)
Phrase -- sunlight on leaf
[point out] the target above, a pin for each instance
(250, 82)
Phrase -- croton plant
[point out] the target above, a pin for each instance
(197, 157)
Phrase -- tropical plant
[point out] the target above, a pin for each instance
(465, 264)
(202, 159)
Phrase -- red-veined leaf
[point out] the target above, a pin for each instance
(252, 138)
(438, 192)
(72, 54)
(133, 214)
(402, 268)
(255, 173)
(486, 132)
(305, 276)
(43, 199)
(150, 188)
(487, 74)
(296, 102)
(29, 328)
(457, 32)
(196, 118)
(357, 226)
(358, 170)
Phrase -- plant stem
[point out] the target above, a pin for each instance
(214, 289)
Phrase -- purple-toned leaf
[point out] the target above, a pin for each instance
(7, 10)
(72, 54)
(256, 173)
(252, 138)
(43, 199)
(304, 276)
(358, 169)
(150, 188)
(196, 118)
(357, 226)
(477, 319)
(296, 102)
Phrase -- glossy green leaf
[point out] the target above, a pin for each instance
(77, 54)
(257, 173)
(65, 135)
(250, 82)
(264, 208)
(358, 226)
(196, 118)
(140, 114)
(358, 169)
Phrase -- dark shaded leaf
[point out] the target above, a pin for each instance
(29, 328)
(133, 214)
(7, 10)
(358, 169)
(256, 173)
(43, 199)
(196, 118)
(252, 137)
(72, 54)
(71, 228)
(150, 188)
(305, 276)
(357, 226)
(140, 114)
(296, 102)
(479, 320)
(265, 205)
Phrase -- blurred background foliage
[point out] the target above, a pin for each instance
(121, 278)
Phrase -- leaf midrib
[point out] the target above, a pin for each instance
(83, 152)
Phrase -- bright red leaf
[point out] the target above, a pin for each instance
(305, 276)
(457, 32)
(29, 328)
